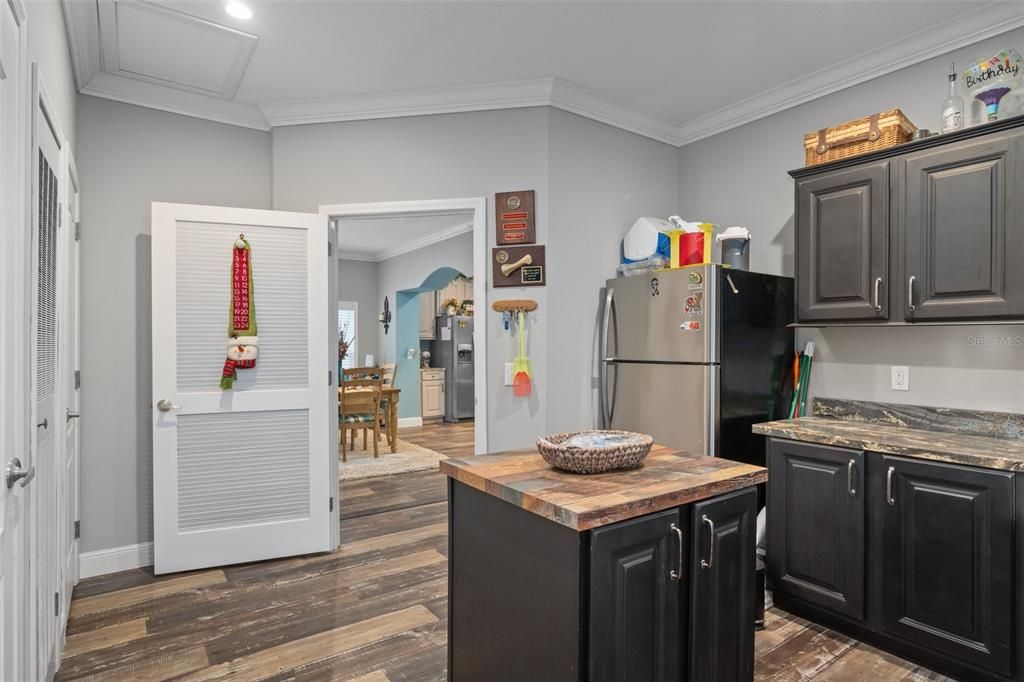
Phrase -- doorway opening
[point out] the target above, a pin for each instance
(409, 286)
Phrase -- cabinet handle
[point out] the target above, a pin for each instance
(677, 574)
(849, 477)
(711, 542)
(910, 293)
(875, 298)
(888, 486)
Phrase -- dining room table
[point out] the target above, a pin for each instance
(391, 394)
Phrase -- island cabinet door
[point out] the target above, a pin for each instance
(636, 577)
(816, 525)
(946, 547)
(722, 578)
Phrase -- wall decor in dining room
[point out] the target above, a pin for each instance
(514, 217)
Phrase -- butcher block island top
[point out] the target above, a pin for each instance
(669, 478)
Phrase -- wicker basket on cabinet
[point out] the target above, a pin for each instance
(860, 136)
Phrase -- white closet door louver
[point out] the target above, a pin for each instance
(46, 303)
(279, 267)
(239, 469)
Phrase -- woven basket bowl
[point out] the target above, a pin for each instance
(594, 460)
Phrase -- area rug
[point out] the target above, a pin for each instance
(410, 457)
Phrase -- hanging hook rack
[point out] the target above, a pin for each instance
(515, 305)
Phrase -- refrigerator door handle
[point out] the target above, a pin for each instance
(607, 405)
(711, 413)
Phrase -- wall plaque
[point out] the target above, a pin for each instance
(514, 214)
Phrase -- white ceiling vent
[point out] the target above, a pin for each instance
(162, 46)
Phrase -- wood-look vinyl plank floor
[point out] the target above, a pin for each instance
(376, 610)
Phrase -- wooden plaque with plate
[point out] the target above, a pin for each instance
(518, 266)
(514, 214)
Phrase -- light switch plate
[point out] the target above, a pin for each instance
(508, 373)
(900, 378)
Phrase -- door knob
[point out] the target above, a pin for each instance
(72, 415)
(15, 472)
(166, 406)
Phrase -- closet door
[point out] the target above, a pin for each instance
(17, 589)
(47, 421)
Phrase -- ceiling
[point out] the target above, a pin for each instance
(377, 238)
(671, 70)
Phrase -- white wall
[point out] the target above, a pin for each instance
(129, 157)
(357, 281)
(739, 178)
(434, 157)
(48, 45)
(601, 180)
(408, 271)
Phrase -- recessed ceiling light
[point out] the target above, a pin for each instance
(238, 10)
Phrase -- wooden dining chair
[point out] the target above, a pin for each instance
(359, 406)
(388, 372)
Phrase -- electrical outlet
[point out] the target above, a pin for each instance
(508, 373)
(900, 380)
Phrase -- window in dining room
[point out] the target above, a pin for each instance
(348, 333)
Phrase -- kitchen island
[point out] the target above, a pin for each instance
(644, 574)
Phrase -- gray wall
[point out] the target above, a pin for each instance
(357, 281)
(601, 179)
(434, 157)
(739, 178)
(129, 157)
(48, 45)
(408, 271)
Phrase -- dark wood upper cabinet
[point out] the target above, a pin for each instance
(722, 577)
(946, 546)
(928, 231)
(963, 242)
(842, 232)
(816, 525)
(636, 631)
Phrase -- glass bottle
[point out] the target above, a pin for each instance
(952, 106)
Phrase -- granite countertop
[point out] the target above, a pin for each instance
(669, 478)
(984, 439)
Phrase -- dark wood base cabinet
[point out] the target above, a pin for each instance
(663, 597)
(918, 557)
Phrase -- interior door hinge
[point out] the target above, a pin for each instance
(56, 603)
(330, 377)
(78, 232)
(330, 507)
(330, 249)
(60, 214)
(78, 529)
(78, 378)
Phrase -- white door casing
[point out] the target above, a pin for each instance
(17, 639)
(245, 474)
(68, 385)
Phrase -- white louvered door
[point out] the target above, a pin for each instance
(244, 474)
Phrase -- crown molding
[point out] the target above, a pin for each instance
(82, 21)
(985, 22)
(507, 95)
(140, 93)
(406, 247)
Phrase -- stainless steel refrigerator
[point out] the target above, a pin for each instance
(453, 350)
(695, 356)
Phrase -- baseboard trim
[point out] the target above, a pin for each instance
(115, 559)
(404, 422)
